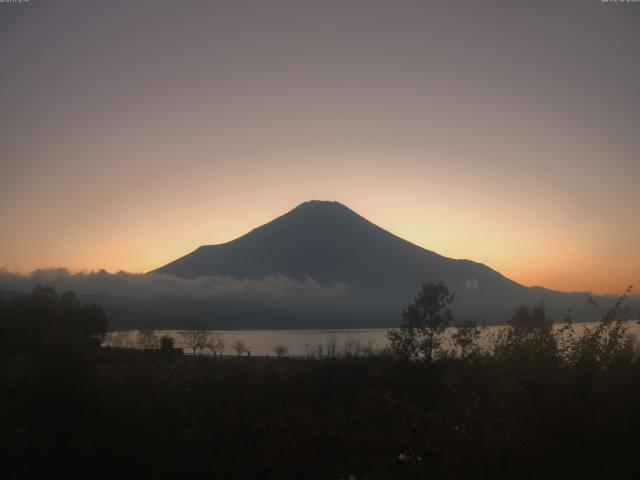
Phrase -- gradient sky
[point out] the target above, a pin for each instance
(506, 132)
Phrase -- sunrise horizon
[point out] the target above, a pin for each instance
(167, 126)
(147, 267)
(319, 239)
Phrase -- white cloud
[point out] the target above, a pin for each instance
(471, 285)
(277, 288)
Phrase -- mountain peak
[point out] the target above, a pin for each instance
(321, 205)
(332, 244)
(324, 240)
(317, 214)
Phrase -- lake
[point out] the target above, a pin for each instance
(305, 342)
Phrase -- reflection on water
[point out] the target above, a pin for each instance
(305, 342)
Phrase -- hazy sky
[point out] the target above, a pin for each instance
(506, 132)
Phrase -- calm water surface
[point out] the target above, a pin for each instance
(305, 342)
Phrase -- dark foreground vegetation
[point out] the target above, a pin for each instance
(540, 403)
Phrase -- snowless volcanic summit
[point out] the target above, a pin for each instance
(332, 244)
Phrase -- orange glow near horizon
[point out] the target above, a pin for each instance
(517, 253)
(168, 125)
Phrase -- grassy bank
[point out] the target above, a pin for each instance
(375, 417)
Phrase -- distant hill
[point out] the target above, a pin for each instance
(332, 244)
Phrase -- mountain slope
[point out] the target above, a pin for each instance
(332, 244)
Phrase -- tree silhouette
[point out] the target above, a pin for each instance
(280, 350)
(608, 341)
(423, 322)
(196, 338)
(466, 338)
(44, 321)
(529, 337)
(239, 347)
(217, 344)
